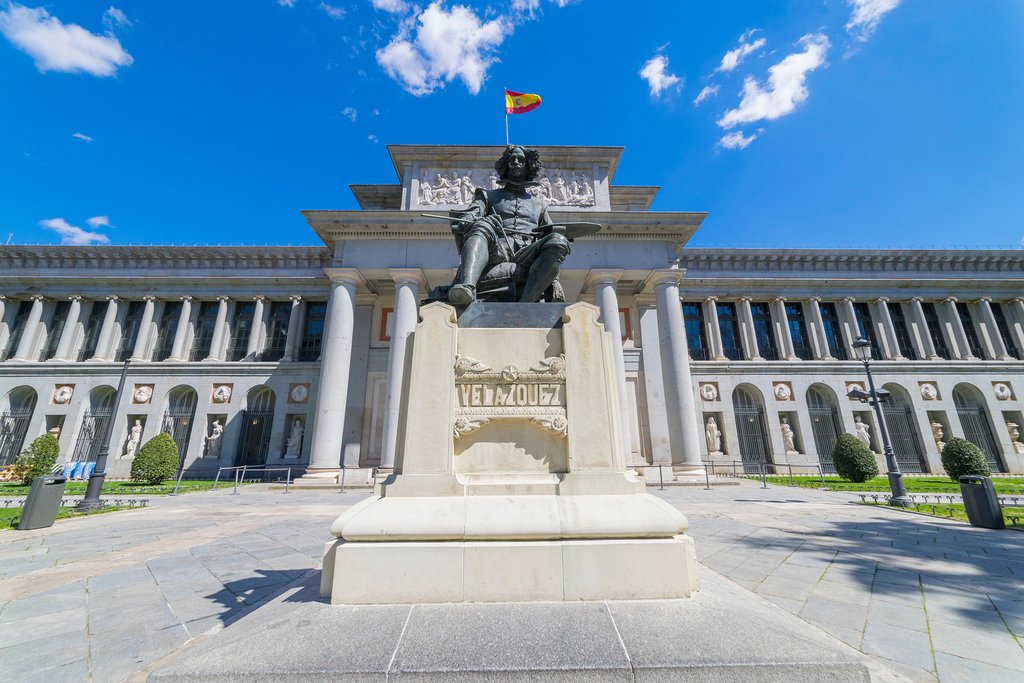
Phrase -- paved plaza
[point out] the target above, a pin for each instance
(114, 597)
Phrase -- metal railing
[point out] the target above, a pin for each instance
(240, 472)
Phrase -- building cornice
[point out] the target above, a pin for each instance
(161, 258)
(860, 261)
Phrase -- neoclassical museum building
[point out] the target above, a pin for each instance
(293, 356)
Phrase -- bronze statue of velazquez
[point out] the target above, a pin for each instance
(511, 249)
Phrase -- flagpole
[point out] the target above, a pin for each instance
(506, 115)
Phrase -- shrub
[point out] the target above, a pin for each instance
(38, 459)
(156, 460)
(960, 457)
(853, 460)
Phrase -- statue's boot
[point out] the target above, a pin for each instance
(474, 260)
(542, 273)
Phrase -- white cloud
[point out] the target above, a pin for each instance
(656, 73)
(351, 113)
(286, 3)
(332, 11)
(98, 222)
(706, 92)
(70, 234)
(735, 140)
(786, 89)
(867, 15)
(733, 58)
(372, 138)
(82, 136)
(446, 45)
(115, 17)
(56, 46)
(393, 6)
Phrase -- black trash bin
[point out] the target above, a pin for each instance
(981, 502)
(43, 503)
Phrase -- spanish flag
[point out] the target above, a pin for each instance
(520, 102)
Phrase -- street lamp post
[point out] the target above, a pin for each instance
(899, 497)
(92, 492)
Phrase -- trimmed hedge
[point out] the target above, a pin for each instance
(38, 459)
(960, 457)
(156, 460)
(853, 460)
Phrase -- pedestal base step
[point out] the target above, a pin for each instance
(724, 633)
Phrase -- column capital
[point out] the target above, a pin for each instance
(346, 276)
(882, 300)
(409, 276)
(187, 297)
(40, 298)
(711, 299)
(149, 298)
(294, 298)
(603, 276)
(223, 297)
(75, 297)
(663, 277)
(950, 300)
(1017, 300)
(745, 299)
(260, 297)
(916, 299)
(779, 300)
(815, 299)
(848, 299)
(985, 299)
(112, 298)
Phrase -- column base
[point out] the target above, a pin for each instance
(319, 475)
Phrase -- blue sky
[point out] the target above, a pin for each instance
(824, 122)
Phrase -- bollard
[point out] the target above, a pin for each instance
(288, 481)
(707, 479)
(180, 475)
(764, 476)
(341, 478)
(661, 478)
(217, 478)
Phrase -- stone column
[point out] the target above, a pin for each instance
(817, 325)
(682, 410)
(181, 333)
(780, 325)
(27, 347)
(219, 329)
(258, 329)
(747, 329)
(989, 330)
(712, 329)
(5, 327)
(106, 338)
(1015, 321)
(848, 324)
(332, 386)
(67, 337)
(606, 298)
(291, 343)
(957, 334)
(919, 330)
(407, 296)
(140, 352)
(886, 331)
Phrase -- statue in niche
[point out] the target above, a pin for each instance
(1014, 430)
(863, 431)
(294, 446)
(510, 248)
(713, 436)
(132, 444)
(214, 439)
(788, 437)
(937, 434)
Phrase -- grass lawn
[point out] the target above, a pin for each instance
(126, 488)
(9, 516)
(1013, 516)
(1007, 486)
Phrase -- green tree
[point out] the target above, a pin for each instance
(156, 460)
(960, 457)
(38, 459)
(853, 460)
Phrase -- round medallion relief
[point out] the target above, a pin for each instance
(299, 393)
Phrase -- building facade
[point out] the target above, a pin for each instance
(292, 356)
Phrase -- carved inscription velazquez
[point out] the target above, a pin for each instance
(483, 393)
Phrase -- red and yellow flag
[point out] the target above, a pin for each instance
(520, 102)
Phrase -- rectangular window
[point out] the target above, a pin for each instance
(729, 328)
(899, 325)
(931, 319)
(1004, 331)
(132, 327)
(277, 331)
(696, 341)
(93, 323)
(763, 331)
(168, 330)
(241, 326)
(832, 330)
(313, 331)
(973, 343)
(17, 329)
(205, 324)
(798, 331)
(55, 329)
(865, 329)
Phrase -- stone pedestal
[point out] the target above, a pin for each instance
(510, 479)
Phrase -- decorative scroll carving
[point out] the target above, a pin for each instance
(555, 365)
(556, 424)
(467, 424)
(449, 187)
(464, 365)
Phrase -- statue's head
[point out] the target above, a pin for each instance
(518, 164)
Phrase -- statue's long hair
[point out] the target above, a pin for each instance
(533, 166)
